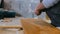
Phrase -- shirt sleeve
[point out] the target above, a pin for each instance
(49, 3)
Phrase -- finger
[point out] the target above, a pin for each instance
(37, 13)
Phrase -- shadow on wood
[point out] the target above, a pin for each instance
(38, 26)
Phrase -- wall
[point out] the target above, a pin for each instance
(25, 7)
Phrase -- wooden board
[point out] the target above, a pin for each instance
(11, 23)
(7, 32)
(11, 31)
(38, 26)
(11, 27)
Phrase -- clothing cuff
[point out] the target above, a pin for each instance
(49, 3)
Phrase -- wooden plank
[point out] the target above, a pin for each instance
(11, 32)
(7, 32)
(11, 27)
(11, 23)
(38, 26)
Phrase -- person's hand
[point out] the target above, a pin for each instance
(37, 12)
(39, 8)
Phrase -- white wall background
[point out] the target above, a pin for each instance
(25, 7)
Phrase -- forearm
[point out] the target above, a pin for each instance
(45, 4)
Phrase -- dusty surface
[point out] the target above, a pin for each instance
(10, 22)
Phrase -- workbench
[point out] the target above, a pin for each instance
(30, 26)
(38, 26)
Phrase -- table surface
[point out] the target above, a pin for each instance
(38, 26)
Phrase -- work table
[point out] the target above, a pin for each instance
(38, 26)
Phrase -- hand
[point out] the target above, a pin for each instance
(38, 9)
(37, 12)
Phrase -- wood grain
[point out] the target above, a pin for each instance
(11, 27)
(38, 26)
